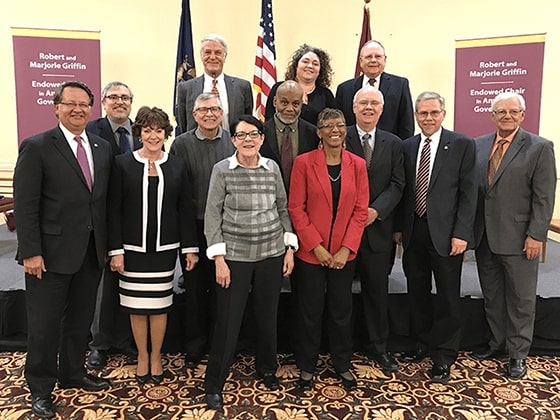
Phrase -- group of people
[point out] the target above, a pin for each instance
(319, 192)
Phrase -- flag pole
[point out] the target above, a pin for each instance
(365, 35)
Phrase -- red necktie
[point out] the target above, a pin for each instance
(215, 87)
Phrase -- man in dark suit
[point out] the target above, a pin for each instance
(111, 326)
(516, 174)
(397, 111)
(286, 135)
(60, 192)
(436, 225)
(235, 94)
(383, 153)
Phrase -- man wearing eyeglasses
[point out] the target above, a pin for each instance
(435, 227)
(516, 177)
(60, 194)
(397, 117)
(235, 94)
(110, 329)
(201, 148)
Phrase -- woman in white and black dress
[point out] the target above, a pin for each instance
(151, 219)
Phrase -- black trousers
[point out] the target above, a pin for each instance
(265, 279)
(59, 312)
(319, 287)
(435, 319)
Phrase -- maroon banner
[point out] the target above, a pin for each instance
(486, 67)
(43, 59)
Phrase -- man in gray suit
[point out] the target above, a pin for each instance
(235, 94)
(516, 184)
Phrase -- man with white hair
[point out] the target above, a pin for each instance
(516, 186)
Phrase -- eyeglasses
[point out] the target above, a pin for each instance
(332, 126)
(424, 114)
(377, 57)
(501, 113)
(116, 98)
(205, 109)
(82, 105)
(366, 103)
(242, 135)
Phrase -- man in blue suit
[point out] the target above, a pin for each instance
(60, 194)
(111, 327)
(235, 94)
(397, 117)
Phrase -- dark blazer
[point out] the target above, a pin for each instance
(386, 184)
(451, 199)
(308, 140)
(240, 99)
(128, 225)
(398, 113)
(102, 128)
(520, 200)
(311, 206)
(54, 208)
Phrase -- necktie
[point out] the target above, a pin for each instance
(495, 160)
(286, 157)
(83, 161)
(422, 178)
(368, 151)
(215, 88)
(123, 140)
(371, 82)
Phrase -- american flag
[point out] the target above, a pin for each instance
(265, 59)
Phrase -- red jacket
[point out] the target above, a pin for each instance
(311, 207)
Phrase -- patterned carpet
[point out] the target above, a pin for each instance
(477, 391)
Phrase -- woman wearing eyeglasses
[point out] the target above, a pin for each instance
(250, 239)
(328, 207)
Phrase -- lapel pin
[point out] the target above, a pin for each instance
(94, 144)
(446, 147)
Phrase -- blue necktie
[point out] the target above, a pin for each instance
(123, 140)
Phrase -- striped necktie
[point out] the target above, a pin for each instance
(422, 178)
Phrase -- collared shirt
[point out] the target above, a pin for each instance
(221, 86)
(74, 146)
(361, 134)
(199, 135)
(281, 132)
(434, 144)
(127, 126)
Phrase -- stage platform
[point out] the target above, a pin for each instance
(475, 332)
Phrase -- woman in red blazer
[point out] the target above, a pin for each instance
(328, 206)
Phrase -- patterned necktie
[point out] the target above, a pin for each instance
(372, 82)
(83, 161)
(422, 178)
(215, 88)
(495, 159)
(124, 145)
(286, 156)
(368, 151)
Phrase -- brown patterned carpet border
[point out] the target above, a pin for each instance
(478, 390)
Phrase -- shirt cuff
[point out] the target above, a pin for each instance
(215, 250)
(190, 250)
(290, 239)
(114, 252)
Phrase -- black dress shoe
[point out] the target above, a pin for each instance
(440, 372)
(43, 407)
(387, 362)
(414, 356)
(87, 382)
(143, 379)
(305, 384)
(214, 401)
(488, 353)
(97, 359)
(192, 361)
(517, 368)
(348, 381)
(270, 381)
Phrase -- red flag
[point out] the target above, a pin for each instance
(365, 37)
(265, 59)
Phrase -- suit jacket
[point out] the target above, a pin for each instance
(398, 114)
(308, 140)
(311, 206)
(520, 200)
(54, 208)
(239, 93)
(102, 128)
(451, 199)
(386, 184)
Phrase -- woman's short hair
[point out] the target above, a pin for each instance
(149, 117)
